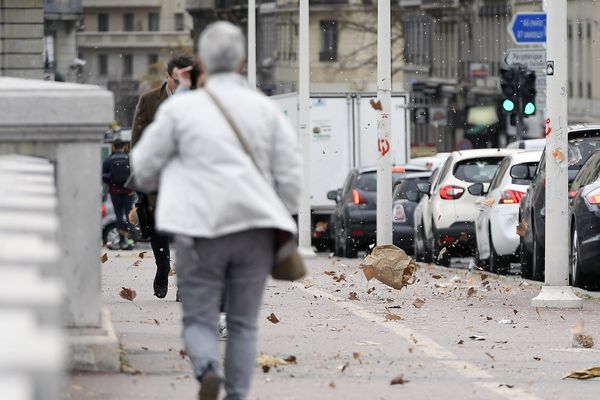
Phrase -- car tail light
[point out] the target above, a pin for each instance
(511, 197)
(103, 210)
(398, 214)
(357, 232)
(358, 198)
(451, 192)
(398, 169)
(573, 194)
(594, 197)
(446, 239)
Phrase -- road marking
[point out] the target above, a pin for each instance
(428, 346)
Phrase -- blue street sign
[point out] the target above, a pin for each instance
(529, 27)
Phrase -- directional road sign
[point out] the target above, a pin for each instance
(532, 58)
(528, 27)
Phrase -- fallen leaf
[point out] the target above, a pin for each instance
(461, 341)
(483, 277)
(392, 317)
(418, 302)
(522, 229)
(144, 348)
(340, 278)
(291, 360)
(371, 290)
(273, 318)
(399, 380)
(537, 311)
(537, 358)
(436, 276)
(332, 385)
(356, 355)
(585, 374)
(142, 254)
(506, 385)
(369, 272)
(266, 368)
(515, 311)
(104, 258)
(343, 367)
(307, 283)
(182, 353)
(127, 293)
(490, 356)
(156, 321)
(376, 105)
(353, 296)
(271, 361)
(137, 263)
(585, 341)
(329, 273)
(471, 292)
(477, 337)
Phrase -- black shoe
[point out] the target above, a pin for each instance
(210, 386)
(161, 283)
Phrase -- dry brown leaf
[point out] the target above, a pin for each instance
(537, 358)
(273, 318)
(369, 272)
(515, 311)
(332, 385)
(343, 366)
(291, 360)
(356, 355)
(340, 278)
(490, 356)
(156, 321)
(392, 317)
(127, 293)
(329, 273)
(585, 374)
(266, 368)
(307, 283)
(271, 361)
(522, 229)
(137, 263)
(418, 302)
(376, 105)
(585, 341)
(353, 296)
(142, 254)
(371, 290)
(104, 258)
(483, 277)
(436, 276)
(182, 353)
(471, 292)
(399, 380)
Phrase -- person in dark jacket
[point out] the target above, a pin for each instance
(144, 115)
(115, 172)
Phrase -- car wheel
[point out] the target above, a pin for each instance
(577, 277)
(418, 243)
(349, 248)
(498, 264)
(110, 233)
(538, 267)
(525, 260)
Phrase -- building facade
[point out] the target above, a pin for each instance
(125, 45)
(62, 20)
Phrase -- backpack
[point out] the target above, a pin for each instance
(119, 168)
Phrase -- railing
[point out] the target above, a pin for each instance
(32, 344)
(133, 39)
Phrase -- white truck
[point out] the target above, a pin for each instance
(344, 136)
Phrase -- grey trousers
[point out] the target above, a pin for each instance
(240, 264)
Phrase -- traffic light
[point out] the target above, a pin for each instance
(508, 84)
(527, 93)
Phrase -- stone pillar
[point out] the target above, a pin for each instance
(64, 123)
(22, 31)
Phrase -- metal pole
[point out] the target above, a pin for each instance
(384, 140)
(556, 292)
(252, 43)
(304, 216)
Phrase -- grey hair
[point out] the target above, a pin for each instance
(221, 47)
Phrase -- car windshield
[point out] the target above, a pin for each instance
(407, 185)
(582, 147)
(367, 181)
(477, 170)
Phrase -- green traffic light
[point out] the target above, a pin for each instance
(529, 108)
(508, 105)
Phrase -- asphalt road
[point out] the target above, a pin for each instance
(346, 348)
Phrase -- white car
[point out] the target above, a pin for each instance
(453, 208)
(496, 223)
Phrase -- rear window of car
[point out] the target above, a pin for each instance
(477, 170)
(367, 181)
(408, 185)
(581, 147)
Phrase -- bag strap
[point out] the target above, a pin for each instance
(234, 127)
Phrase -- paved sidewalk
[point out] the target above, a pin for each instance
(347, 349)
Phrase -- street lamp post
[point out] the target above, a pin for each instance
(556, 292)
(384, 141)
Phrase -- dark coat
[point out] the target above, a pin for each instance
(145, 111)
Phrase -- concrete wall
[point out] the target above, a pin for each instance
(21, 38)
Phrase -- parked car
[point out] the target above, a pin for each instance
(583, 141)
(353, 222)
(405, 199)
(422, 225)
(528, 144)
(496, 222)
(453, 208)
(431, 162)
(585, 224)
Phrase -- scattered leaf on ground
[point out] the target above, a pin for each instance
(356, 355)
(332, 385)
(521, 229)
(506, 385)
(307, 283)
(137, 263)
(156, 321)
(537, 358)
(483, 277)
(329, 273)
(399, 380)
(144, 348)
(537, 311)
(340, 278)
(585, 374)
(471, 292)
(477, 337)
(371, 290)
(273, 318)
(353, 296)
(104, 258)
(127, 293)
(461, 341)
(436, 276)
(291, 359)
(182, 353)
(266, 368)
(343, 366)
(585, 341)
(392, 317)
(271, 361)
(515, 311)
(142, 254)
(490, 356)
(418, 302)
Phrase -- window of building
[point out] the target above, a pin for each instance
(570, 88)
(153, 22)
(103, 22)
(329, 41)
(128, 22)
(589, 90)
(102, 64)
(179, 22)
(127, 65)
(580, 30)
(580, 89)
(153, 63)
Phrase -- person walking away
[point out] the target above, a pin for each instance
(145, 111)
(115, 172)
(224, 211)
